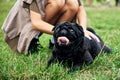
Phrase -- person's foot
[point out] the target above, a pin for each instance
(51, 43)
(34, 46)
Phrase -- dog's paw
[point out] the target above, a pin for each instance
(75, 68)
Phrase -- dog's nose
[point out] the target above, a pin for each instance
(63, 32)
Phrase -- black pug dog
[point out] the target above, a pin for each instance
(73, 48)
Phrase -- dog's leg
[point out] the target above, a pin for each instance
(75, 67)
(50, 61)
(87, 57)
(106, 49)
(91, 30)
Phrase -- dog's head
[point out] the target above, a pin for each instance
(66, 34)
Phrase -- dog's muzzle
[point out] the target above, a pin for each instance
(63, 40)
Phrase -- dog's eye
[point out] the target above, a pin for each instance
(57, 29)
(71, 30)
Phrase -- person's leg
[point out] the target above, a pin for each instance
(35, 46)
(89, 2)
(53, 9)
(61, 10)
(116, 2)
(69, 11)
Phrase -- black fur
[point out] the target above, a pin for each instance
(80, 50)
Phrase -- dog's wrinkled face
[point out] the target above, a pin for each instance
(66, 33)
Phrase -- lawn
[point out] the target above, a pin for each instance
(105, 21)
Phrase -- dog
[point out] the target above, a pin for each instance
(72, 48)
(117, 2)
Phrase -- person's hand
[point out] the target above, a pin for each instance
(90, 35)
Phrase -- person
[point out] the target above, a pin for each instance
(89, 2)
(117, 2)
(28, 19)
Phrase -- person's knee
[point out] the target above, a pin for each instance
(73, 7)
(59, 4)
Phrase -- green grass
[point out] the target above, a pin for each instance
(105, 21)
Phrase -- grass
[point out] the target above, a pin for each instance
(105, 21)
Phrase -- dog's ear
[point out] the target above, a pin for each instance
(79, 27)
(56, 26)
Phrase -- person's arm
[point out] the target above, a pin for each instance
(82, 19)
(37, 22)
